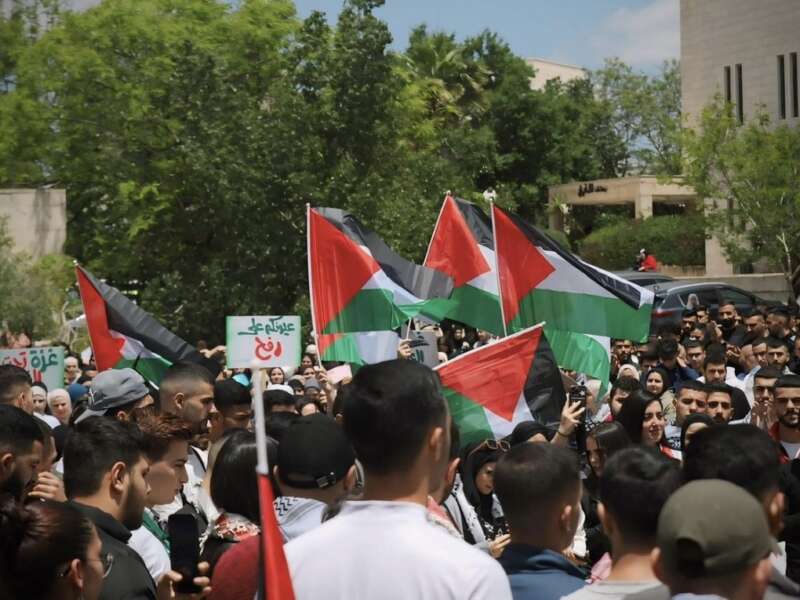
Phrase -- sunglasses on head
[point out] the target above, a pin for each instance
(500, 445)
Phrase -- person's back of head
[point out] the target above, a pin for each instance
(634, 486)
(103, 458)
(234, 484)
(539, 488)
(741, 454)
(20, 449)
(713, 541)
(392, 410)
(315, 460)
(279, 422)
(278, 399)
(229, 394)
(47, 549)
(15, 384)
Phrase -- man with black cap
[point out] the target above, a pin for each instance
(115, 393)
(279, 398)
(316, 468)
(713, 542)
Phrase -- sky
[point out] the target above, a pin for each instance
(643, 33)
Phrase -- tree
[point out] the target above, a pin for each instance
(750, 177)
(645, 113)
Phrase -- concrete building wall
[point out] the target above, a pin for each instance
(716, 34)
(547, 70)
(36, 219)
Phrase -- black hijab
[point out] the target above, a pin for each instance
(473, 458)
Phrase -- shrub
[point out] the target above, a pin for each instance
(674, 240)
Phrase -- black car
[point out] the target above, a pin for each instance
(672, 298)
(643, 278)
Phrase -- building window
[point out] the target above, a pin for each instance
(781, 86)
(728, 97)
(739, 94)
(794, 84)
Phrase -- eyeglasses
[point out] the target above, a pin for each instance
(106, 560)
(501, 445)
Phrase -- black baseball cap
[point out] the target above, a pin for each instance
(314, 453)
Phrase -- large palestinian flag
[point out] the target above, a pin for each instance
(540, 281)
(462, 247)
(124, 335)
(358, 283)
(494, 387)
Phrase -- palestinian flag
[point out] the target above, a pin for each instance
(540, 281)
(358, 283)
(494, 387)
(124, 335)
(360, 349)
(462, 247)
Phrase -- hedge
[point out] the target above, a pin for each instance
(674, 240)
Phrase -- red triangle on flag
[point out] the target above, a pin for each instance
(338, 269)
(453, 248)
(521, 265)
(494, 376)
(106, 348)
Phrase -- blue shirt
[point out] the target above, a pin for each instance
(539, 574)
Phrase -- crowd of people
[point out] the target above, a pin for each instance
(684, 480)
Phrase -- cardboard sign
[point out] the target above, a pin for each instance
(44, 364)
(263, 342)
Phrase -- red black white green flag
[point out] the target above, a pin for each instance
(359, 284)
(494, 387)
(540, 281)
(462, 247)
(124, 335)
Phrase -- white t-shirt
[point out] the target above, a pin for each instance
(612, 590)
(152, 551)
(791, 449)
(390, 550)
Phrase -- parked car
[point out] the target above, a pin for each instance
(672, 298)
(643, 278)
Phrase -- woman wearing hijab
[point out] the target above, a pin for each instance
(477, 476)
(530, 431)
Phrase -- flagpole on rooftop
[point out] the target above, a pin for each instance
(497, 269)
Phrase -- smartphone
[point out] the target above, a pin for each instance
(577, 393)
(184, 551)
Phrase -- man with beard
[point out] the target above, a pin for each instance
(778, 323)
(21, 441)
(719, 402)
(778, 353)
(763, 413)
(715, 371)
(726, 319)
(688, 321)
(104, 477)
(754, 321)
(786, 431)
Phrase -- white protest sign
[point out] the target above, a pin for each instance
(263, 342)
(44, 364)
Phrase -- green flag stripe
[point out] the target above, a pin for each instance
(470, 417)
(343, 349)
(579, 352)
(369, 310)
(582, 313)
(477, 308)
(152, 369)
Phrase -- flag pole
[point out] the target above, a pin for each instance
(311, 286)
(497, 269)
(260, 417)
